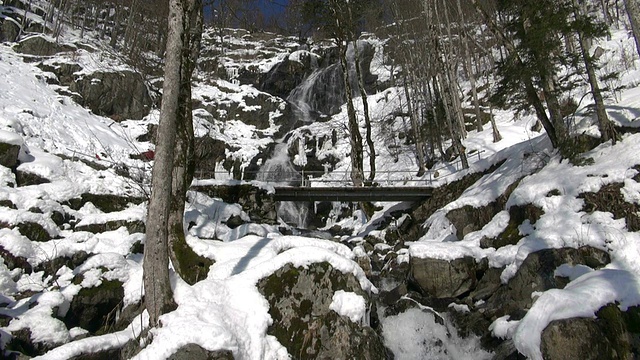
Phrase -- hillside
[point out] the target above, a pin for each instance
(522, 254)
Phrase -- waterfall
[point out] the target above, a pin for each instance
(279, 170)
(320, 94)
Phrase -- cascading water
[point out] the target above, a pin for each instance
(279, 169)
(319, 94)
(322, 92)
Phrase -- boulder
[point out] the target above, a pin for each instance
(299, 300)
(51, 267)
(8, 203)
(34, 231)
(63, 71)
(576, 338)
(41, 45)
(468, 218)
(537, 271)
(22, 344)
(136, 226)
(444, 278)
(9, 30)
(120, 95)
(196, 352)
(234, 221)
(95, 309)
(25, 178)
(536, 274)
(14, 262)
(9, 154)
(511, 234)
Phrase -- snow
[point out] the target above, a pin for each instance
(225, 310)
(580, 298)
(349, 304)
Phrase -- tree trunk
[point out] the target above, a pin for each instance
(355, 138)
(530, 91)
(367, 118)
(605, 126)
(633, 11)
(158, 294)
(190, 266)
(447, 99)
(129, 32)
(469, 68)
(115, 31)
(415, 128)
(84, 23)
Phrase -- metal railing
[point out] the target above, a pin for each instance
(305, 178)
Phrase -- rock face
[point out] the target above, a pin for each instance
(299, 302)
(537, 274)
(578, 338)
(41, 46)
(286, 75)
(256, 202)
(120, 95)
(104, 202)
(443, 278)
(254, 109)
(136, 226)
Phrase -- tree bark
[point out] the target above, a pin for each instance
(341, 35)
(367, 118)
(355, 138)
(633, 11)
(158, 294)
(469, 68)
(607, 131)
(190, 266)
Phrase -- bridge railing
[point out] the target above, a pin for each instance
(342, 177)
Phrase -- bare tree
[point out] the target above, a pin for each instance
(185, 261)
(633, 11)
(158, 294)
(607, 131)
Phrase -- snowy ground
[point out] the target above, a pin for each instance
(227, 303)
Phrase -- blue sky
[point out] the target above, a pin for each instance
(268, 7)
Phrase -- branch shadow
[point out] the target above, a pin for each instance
(253, 252)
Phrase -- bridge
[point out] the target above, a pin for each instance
(306, 186)
(370, 193)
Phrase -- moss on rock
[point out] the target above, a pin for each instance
(190, 266)
(94, 309)
(105, 202)
(34, 231)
